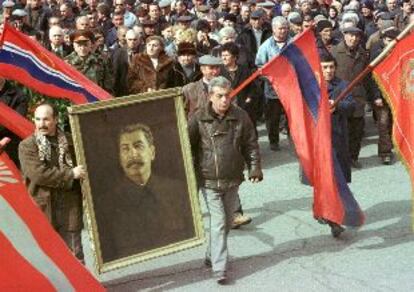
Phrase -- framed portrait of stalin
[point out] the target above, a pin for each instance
(140, 190)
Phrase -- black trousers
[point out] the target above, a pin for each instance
(273, 113)
(356, 127)
(384, 125)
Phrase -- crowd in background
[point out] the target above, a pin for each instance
(135, 46)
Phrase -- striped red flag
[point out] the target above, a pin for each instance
(33, 257)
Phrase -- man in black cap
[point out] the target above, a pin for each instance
(325, 40)
(185, 69)
(352, 59)
(367, 9)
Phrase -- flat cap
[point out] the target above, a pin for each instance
(80, 36)
(185, 18)
(164, 3)
(19, 13)
(186, 48)
(266, 4)
(258, 13)
(295, 18)
(146, 1)
(210, 60)
(391, 32)
(7, 4)
(352, 29)
(367, 4)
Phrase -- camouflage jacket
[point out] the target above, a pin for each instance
(95, 68)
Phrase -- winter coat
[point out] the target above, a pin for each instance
(142, 75)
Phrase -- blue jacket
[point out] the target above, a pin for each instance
(265, 53)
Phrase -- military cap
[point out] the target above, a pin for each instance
(257, 13)
(352, 30)
(80, 36)
(19, 13)
(210, 60)
(7, 4)
(185, 18)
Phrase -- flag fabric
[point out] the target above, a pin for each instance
(15, 122)
(295, 75)
(25, 60)
(395, 77)
(33, 257)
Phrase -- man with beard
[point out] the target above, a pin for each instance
(146, 211)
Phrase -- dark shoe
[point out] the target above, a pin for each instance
(239, 219)
(336, 229)
(387, 160)
(221, 278)
(207, 262)
(274, 147)
(356, 164)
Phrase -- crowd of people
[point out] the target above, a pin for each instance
(207, 48)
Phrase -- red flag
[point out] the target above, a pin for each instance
(33, 257)
(395, 77)
(295, 75)
(25, 60)
(15, 122)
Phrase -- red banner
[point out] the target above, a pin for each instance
(33, 257)
(395, 77)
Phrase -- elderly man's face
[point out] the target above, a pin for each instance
(352, 39)
(136, 155)
(220, 100)
(280, 32)
(328, 70)
(210, 71)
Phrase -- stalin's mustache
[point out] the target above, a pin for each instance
(137, 162)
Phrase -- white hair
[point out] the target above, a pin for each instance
(55, 30)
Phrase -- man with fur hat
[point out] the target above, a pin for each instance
(185, 69)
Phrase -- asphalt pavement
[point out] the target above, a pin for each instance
(285, 249)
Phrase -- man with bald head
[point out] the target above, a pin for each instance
(51, 177)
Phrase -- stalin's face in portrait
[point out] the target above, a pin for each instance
(136, 152)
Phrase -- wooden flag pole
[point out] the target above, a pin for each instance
(373, 64)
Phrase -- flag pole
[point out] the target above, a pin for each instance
(373, 64)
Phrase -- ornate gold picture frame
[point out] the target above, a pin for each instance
(140, 189)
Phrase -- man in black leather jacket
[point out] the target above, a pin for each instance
(223, 140)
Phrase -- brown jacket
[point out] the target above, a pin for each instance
(53, 189)
(195, 96)
(350, 64)
(142, 75)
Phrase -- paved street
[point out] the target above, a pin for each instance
(284, 249)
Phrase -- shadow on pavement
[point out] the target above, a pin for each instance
(393, 234)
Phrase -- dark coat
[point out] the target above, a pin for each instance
(350, 64)
(120, 67)
(178, 78)
(53, 188)
(247, 40)
(142, 75)
(14, 98)
(222, 146)
(133, 219)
